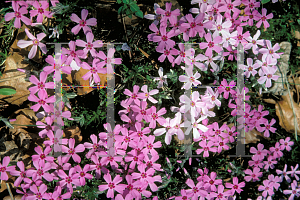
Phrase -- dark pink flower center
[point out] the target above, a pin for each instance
(192, 79)
(193, 25)
(219, 27)
(42, 156)
(89, 46)
(164, 38)
(154, 116)
(2, 169)
(240, 37)
(73, 54)
(111, 185)
(41, 10)
(82, 22)
(82, 174)
(269, 75)
(210, 44)
(271, 51)
(167, 52)
(42, 102)
(18, 14)
(35, 42)
(149, 146)
(263, 18)
(71, 151)
(93, 70)
(40, 172)
(144, 175)
(250, 68)
(168, 13)
(230, 6)
(235, 187)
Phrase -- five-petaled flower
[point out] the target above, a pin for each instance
(112, 185)
(40, 10)
(83, 22)
(18, 14)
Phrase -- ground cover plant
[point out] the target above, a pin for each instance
(179, 106)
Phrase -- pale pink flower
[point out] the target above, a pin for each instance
(156, 17)
(271, 50)
(203, 4)
(253, 42)
(267, 74)
(250, 68)
(109, 60)
(168, 14)
(73, 55)
(284, 173)
(71, 151)
(83, 23)
(43, 101)
(112, 185)
(263, 18)
(286, 144)
(89, 45)
(57, 67)
(35, 41)
(4, 168)
(162, 78)
(190, 79)
(295, 190)
(40, 84)
(211, 44)
(94, 70)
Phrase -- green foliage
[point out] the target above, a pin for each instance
(129, 7)
(7, 91)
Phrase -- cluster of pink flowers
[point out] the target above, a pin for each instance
(135, 150)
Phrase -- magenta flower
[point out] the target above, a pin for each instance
(211, 182)
(155, 116)
(239, 36)
(276, 150)
(230, 6)
(98, 167)
(267, 188)
(232, 53)
(57, 67)
(112, 185)
(206, 147)
(83, 23)
(35, 41)
(41, 101)
(57, 194)
(267, 74)
(267, 128)
(192, 25)
(56, 140)
(235, 187)
(286, 144)
(168, 14)
(196, 191)
(147, 95)
(41, 171)
(40, 84)
(253, 42)
(38, 193)
(227, 88)
(83, 173)
(260, 152)
(220, 195)
(295, 191)
(164, 39)
(18, 14)
(89, 46)
(263, 18)
(141, 112)
(294, 172)
(184, 195)
(167, 53)
(133, 95)
(109, 60)
(255, 174)
(94, 70)
(21, 174)
(270, 163)
(284, 174)
(150, 145)
(145, 176)
(211, 44)
(42, 156)
(73, 54)
(71, 151)
(40, 11)
(4, 168)
(69, 180)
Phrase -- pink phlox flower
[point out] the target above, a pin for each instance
(150, 145)
(147, 95)
(109, 60)
(69, 180)
(235, 187)
(268, 75)
(232, 133)
(235, 20)
(98, 166)
(168, 14)
(112, 185)
(72, 54)
(267, 128)
(190, 60)
(38, 193)
(211, 44)
(40, 10)
(57, 67)
(196, 190)
(58, 115)
(250, 16)
(212, 182)
(270, 163)
(140, 189)
(250, 69)
(260, 151)
(196, 126)
(206, 147)
(160, 131)
(286, 144)
(153, 27)
(94, 146)
(253, 42)
(94, 70)
(72, 152)
(267, 188)
(34, 180)
(164, 39)
(213, 96)
(276, 150)
(209, 60)
(41, 170)
(47, 128)
(155, 116)
(231, 53)
(83, 173)
(295, 190)
(134, 158)
(56, 140)
(83, 23)
(145, 176)
(192, 25)
(257, 118)
(253, 175)
(275, 180)
(256, 162)
(35, 41)
(181, 55)
(140, 134)
(220, 195)
(18, 14)
(57, 194)
(190, 79)
(40, 84)
(240, 37)
(231, 6)
(43, 101)
(221, 27)
(42, 156)
(156, 17)
(251, 4)
(89, 45)
(221, 143)
(24, 193)
(184, 195)
(284, 173)
(263, 18)
(167, 52)
(134, 95)
(270, 52)
(21, 174)
(227, 88)
(150, 163)
(162, 78)
(203, 4)
(175, 125)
